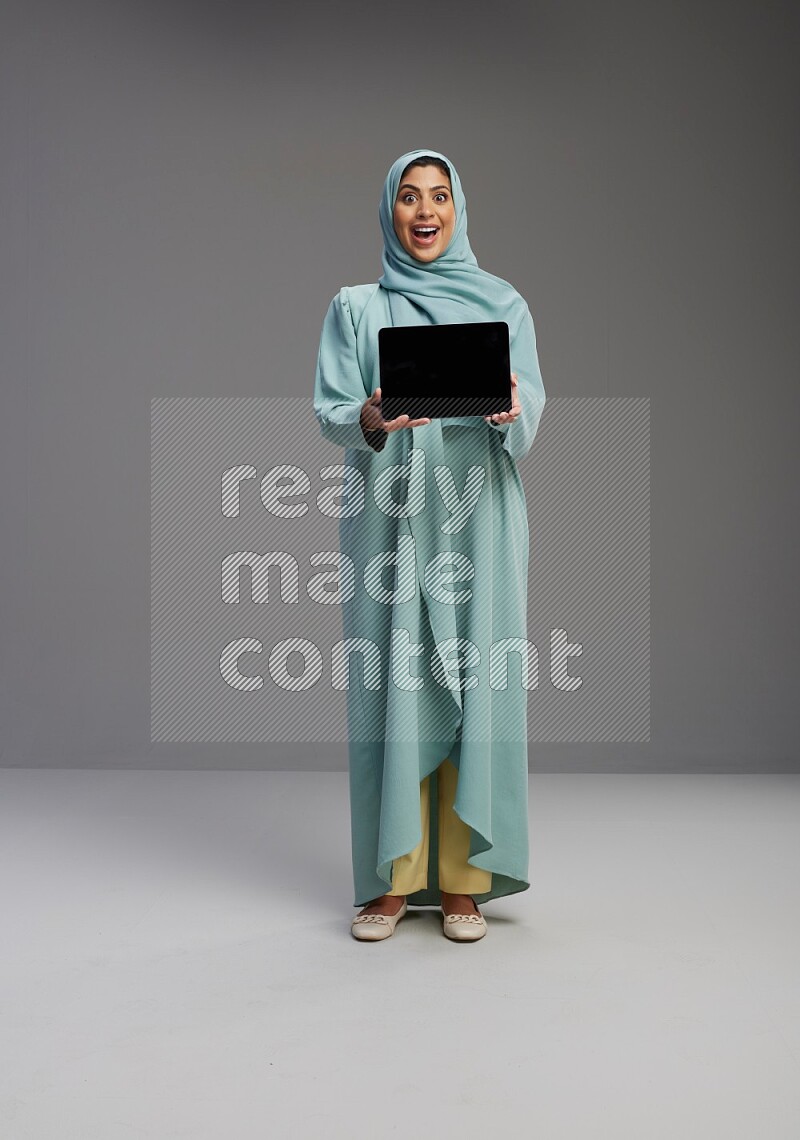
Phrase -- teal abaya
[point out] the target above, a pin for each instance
(439, 624)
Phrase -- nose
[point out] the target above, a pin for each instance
(423, 210)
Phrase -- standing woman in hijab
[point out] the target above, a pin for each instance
(437, 715)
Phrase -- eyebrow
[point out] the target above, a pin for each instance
(412, 187)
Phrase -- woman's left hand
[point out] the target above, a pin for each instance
(516, 407)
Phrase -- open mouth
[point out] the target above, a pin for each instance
(424, 235)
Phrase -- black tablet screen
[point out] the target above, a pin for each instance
(445, 370)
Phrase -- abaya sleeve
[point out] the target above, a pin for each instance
(339, 391)
(520, 434)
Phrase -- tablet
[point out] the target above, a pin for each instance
(438, 371)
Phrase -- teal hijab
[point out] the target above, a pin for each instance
(451, 289)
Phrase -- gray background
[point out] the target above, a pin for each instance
(185, 187)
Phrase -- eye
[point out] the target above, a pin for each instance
(442, 195)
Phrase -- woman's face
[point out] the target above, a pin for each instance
(424, 203)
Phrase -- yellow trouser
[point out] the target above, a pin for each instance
(456, 875)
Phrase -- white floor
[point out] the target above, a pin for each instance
(177, 962)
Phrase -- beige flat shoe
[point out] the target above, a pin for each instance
(464, 927)
(373, 927)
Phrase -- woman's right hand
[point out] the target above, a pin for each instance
(372, 418)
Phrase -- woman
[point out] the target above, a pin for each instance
(437, 716)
